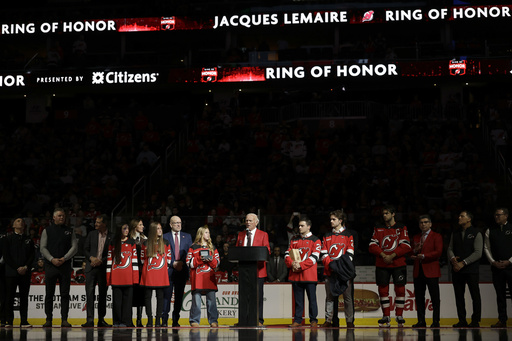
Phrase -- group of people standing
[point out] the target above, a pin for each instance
(136, 265)
(391, 245)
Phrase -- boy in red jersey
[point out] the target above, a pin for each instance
(337, 244)
(303, 271)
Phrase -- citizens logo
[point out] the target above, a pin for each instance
(123, 77)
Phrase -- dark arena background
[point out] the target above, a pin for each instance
(213, 109)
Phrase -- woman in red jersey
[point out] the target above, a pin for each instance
(156, 257)
(203, 259)
(122, 274)
(137, 234)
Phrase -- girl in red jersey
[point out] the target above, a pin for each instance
(156, 257)
(137, 234)
(202, 259)
(122, 274)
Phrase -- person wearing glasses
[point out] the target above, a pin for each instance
(426, 250)
(497, 249)
(178, 272)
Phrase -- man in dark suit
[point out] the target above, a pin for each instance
(427, 249)
(96, 252)
(178, 273)
(254, 237)
(277, 269)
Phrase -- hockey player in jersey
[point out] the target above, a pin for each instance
(335, 245)
(203, 259)
(122, 274)
(303, 271)
(156, 257)
(389, 244)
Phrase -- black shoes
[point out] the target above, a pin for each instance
(88, 324)
(474, 324)
(25, 324)
(65, 324)
(499, 324)
(435, 325)
(419, 325)
(103, 324)
(460, 324)
(47, 324)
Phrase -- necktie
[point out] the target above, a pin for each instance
(423, 237)
(176, 247)
(248, 238)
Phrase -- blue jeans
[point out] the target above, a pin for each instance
(211, 307)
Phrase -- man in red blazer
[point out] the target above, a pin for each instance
(254, 237)
(427, 249)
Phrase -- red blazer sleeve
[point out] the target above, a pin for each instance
(264, 240)
(433, 248)
(240, 238)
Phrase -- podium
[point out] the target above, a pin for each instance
(247, 258)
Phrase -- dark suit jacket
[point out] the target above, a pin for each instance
(260, 239)
(279, 273)
(91, 249)
(185, 243)
(432, 249)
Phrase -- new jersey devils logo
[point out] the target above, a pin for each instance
(368, 16)
(304, 253)
(203, 268)
(389, 243)
(155, 263)
(125, 261)
(337, 250)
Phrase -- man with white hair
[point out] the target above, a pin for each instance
(254, 237)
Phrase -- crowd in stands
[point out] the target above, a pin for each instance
(235, 163)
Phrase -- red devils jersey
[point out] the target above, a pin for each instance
(127, 272)
(309, 248)
(202, 274)
(335, 245)
(154, 269)
(37, 277)
(390, 239)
